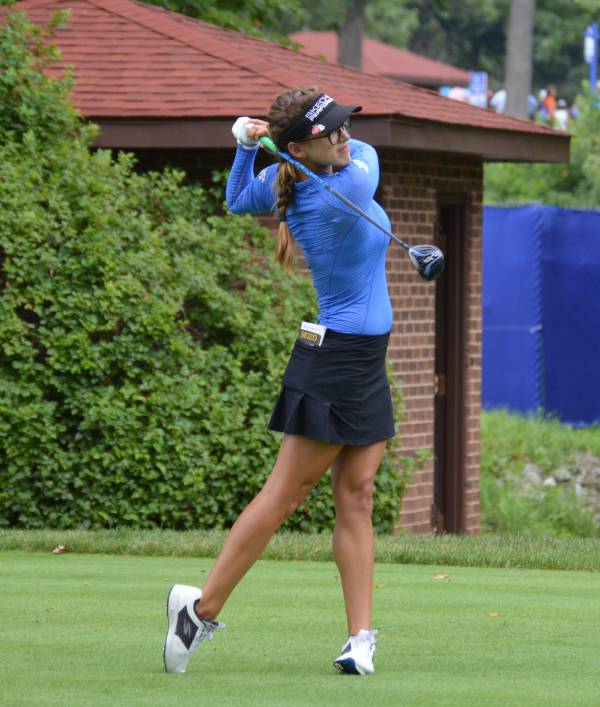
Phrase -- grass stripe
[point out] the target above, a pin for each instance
(87, 630)
(455, 550)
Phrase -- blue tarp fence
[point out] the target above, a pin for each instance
(541, 311)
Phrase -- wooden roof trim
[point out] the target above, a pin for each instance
(491, 145)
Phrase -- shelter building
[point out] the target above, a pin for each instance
(169, 87)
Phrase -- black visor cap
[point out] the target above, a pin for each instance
(321, 117)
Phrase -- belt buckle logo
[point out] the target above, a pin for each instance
(311, 334)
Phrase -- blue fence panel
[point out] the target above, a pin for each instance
(512, 301)
(571, 309)
(541, 311)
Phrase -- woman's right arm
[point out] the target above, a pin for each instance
(246, 194)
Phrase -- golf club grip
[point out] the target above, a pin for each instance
(269, 145)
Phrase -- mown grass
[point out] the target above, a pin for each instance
(87, 630)
(453, 550)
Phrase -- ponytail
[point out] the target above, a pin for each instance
(286, 109)
(284, 251)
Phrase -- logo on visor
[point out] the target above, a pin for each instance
(318, 107)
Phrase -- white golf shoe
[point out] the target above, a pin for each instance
(357, 654)
(185, 630)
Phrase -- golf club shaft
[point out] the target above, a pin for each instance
(270, 146)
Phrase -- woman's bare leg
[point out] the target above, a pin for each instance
(300, 464)
(353, 478)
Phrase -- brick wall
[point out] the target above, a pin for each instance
(409, 187)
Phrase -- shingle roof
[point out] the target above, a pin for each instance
(139, 61)
(385, 60)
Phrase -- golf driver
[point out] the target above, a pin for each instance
(428, 260)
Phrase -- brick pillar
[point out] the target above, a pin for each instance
(409, 185)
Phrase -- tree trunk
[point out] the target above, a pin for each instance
(351, 34)
(519, 51)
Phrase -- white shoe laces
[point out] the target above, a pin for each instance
(205, 631)
(364, 639)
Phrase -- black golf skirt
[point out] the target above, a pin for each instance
(337, 392)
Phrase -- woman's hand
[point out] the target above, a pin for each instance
(247, 131)
(257, 128)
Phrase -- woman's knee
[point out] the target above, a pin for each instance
(354, 498)
(282, 506)
(301, 496)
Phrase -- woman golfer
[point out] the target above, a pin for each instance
(335, 406)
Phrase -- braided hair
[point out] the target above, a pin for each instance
(285, 109)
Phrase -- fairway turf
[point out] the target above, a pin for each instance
(88, 629)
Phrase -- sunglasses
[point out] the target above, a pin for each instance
(334, 136)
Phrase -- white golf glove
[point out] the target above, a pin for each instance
(240, 132)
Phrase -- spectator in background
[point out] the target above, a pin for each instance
(532, 106)
(458, 93)
(541, 98)
(561, 115)
(498, 101)
(575, 109)
(549, 104)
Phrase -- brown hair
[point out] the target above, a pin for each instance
(285, 109)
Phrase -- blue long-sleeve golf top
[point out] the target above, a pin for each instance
(345, 253)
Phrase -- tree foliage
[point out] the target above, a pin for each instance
(471, 34)
(142, 337)
(464, 34)
(262, 18)
(576, 184)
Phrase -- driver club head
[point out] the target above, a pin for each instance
(428, 260)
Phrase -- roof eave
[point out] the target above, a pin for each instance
(427, 80)
(492, 145)
(489, 144)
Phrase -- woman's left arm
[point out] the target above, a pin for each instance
(359, 179)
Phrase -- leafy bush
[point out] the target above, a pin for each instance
(29, 102)
(549, 512)
(142, 337)
(509, 441)
(508, 505)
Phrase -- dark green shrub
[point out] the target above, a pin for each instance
(29, 102)
(142, 338)
(548, 512)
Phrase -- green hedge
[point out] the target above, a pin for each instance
(142, 337)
